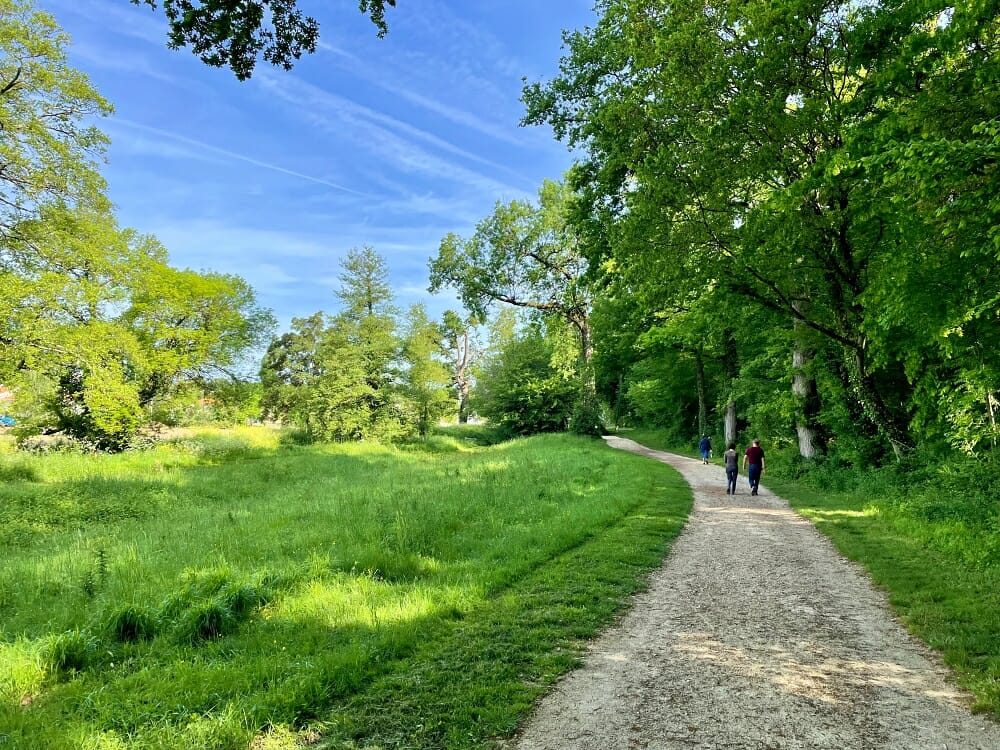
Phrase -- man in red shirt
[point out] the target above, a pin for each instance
(755, 458)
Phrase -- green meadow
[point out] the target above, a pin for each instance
(231, 590)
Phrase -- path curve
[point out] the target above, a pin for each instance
(755, 633)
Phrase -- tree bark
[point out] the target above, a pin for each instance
(872, 404)
(993, 418)
(807, 403)
(731, 366)
(699, 364)
(730, 422)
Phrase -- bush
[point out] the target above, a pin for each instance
(587, 417)
(521, 391)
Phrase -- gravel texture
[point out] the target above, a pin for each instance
(755, 633)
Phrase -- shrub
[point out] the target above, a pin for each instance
(587, 417)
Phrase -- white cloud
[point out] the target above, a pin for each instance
(216, 151)
(463, 117)
(373, 130)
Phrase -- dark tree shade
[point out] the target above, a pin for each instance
(235, 33)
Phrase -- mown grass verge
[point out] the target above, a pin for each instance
(928, 534)
(233, 592)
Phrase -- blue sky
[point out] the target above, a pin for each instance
(390, 143)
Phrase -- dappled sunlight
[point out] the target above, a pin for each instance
(779, 514)
(618, 658)
(21, 671)
(832, 514)
(364, 601)
(809, 671)
(495, 466)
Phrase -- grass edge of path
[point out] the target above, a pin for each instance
(477, 679)
(950, 606)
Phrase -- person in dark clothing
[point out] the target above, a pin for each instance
(753, 461)
(732, 460)
(705, 446)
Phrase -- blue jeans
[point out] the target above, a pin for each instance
(753, 476)
(731, 475)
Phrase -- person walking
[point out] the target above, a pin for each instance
(732, 460)
(705, 446)
(754, 459)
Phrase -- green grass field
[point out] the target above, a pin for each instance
(929, 536)
(227, 590)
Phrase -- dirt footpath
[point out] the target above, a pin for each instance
(755, 633)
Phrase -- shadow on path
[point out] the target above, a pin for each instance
(755, 633)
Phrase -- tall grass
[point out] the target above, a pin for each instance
(228, 589)
(928, 531)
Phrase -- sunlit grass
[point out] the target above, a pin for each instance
(226, 587)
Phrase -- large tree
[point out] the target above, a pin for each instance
(49, 145)
(236, 33)
(96, 321)
(426, 377)
(462, 352)
(524, 255)
(934, 171)
(339, 376)
(744, 125)
(194, 325)
(290, 368)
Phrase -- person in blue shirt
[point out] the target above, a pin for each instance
(705, 446)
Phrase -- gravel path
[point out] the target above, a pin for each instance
(755, 633)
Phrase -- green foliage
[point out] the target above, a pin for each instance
(289, 369)
(51, 147)
(95, 323)
(660, 392)
(132, 623)
(587, 417)
(526, 256)
(336, 378)
(71, 651)
(832, 167)
(354, 397)
(227, 35)
(191, 323)
(520, 390)
(427, 378)
(359, 375)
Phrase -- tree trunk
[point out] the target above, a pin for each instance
(587, 376)
(730, 422)
(993, 418)
(872, 404)
(586, 343)
(807, 402)
(619, 399)
(731, 366)
(699, 364)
